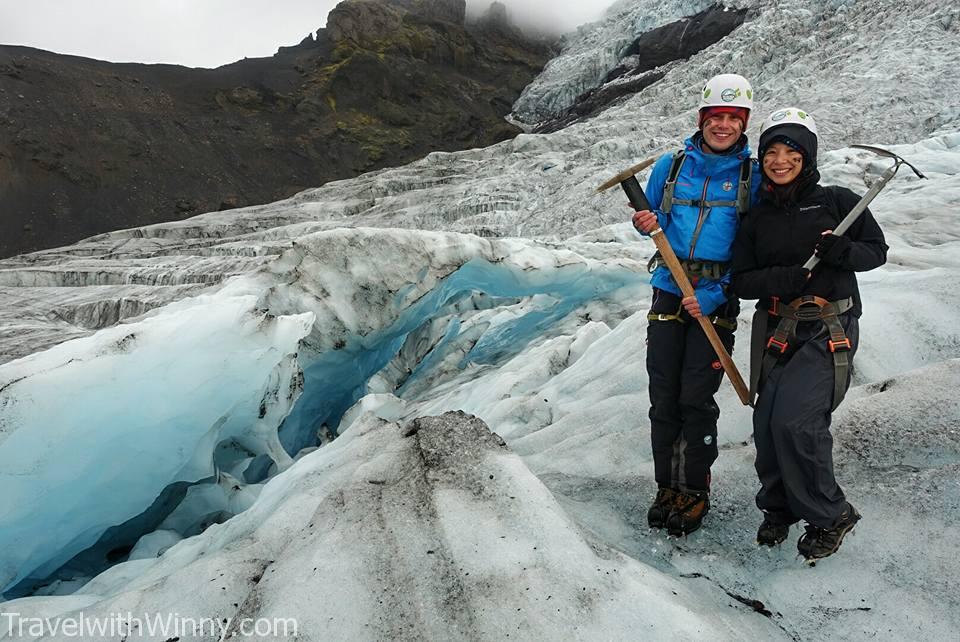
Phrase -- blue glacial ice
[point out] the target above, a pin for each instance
(92, 431)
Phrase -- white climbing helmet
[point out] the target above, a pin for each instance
(789, 116)
(795, 127)
(727, 90)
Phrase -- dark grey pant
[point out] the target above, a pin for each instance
(791, 430)
(684, 376)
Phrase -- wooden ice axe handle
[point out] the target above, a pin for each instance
(639, 202)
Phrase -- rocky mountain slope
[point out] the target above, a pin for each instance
(89, 146)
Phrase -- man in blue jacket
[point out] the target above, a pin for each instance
(698, 195)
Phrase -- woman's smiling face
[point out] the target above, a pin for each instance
(781, 163)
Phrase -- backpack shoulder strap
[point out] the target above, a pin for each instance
(744, 187)
(666, 203)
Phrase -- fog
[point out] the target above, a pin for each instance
(196, 33)
(553, 16)
(210, 33)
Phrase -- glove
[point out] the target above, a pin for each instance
(833, 250)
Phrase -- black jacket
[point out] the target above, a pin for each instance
(774, 241)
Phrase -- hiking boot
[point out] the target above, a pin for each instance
(772, 533)
(662, 505)
(688, 513)
(817, 543)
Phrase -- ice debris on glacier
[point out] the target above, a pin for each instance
(571, 403)
(280, 355)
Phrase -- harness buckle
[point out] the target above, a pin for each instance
(808, 314)
(653, 316)
(780, 345)
(724, 323)
(809, 308)
(843, 345)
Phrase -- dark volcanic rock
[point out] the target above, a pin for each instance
(496, 16)
(679, 40)
(89, 146)
(642, 62)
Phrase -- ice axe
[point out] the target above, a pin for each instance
(628, 181)
(858, 209)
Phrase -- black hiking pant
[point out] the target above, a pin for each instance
(685, 374)
(791, 430)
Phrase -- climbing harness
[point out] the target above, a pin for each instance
(765, 354)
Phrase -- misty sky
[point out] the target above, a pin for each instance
(209, 33)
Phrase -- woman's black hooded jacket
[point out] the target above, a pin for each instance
(778, 235)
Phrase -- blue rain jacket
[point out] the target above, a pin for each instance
(705, 177)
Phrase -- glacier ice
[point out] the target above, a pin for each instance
(570, 401)
(160, 395)
(590, 53)
(370, 288)
(446, 524)
(86, 415)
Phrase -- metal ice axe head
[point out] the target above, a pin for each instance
(858, 209)
(899, 161)
(627, 179)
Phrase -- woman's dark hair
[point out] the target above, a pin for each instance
(795, 136)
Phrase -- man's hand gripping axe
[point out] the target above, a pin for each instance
(628, 181)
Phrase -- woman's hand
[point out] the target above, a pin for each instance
(645, 221)
(832, 249)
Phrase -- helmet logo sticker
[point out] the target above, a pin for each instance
(727, 186)
(780, 115)
(729, 95)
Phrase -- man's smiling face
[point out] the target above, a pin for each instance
(722, 131)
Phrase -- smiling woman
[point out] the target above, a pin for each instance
(805, 331)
